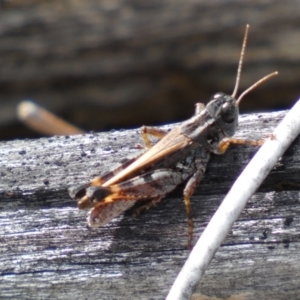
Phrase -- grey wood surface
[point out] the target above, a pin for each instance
(47, 251)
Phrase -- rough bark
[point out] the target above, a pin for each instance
(47, 251)
(111, 64)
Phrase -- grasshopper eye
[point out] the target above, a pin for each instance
(228, 112)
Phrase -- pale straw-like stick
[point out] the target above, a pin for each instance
(233, 204)
(43, 121)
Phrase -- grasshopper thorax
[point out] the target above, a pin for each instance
(219, 119)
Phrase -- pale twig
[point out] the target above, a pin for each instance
(43, 121)
(233, 204)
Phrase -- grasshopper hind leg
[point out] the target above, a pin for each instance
(81, 193)
(103, 213)
(112, 200)
(149, 204)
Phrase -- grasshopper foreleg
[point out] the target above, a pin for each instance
(154, 131)
(226, 142)
(187, 193)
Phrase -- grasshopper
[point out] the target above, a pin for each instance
(180, 155)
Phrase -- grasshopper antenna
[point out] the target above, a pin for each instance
(239, 70)
(238, 77)
(255, 85)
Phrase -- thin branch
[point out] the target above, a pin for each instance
(43, 121)
(233, 204)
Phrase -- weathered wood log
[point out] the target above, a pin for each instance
(48, 251)
(111, 64)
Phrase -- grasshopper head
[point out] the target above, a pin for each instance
(224, 109)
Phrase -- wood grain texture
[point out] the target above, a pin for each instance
(112, 63)
(47, 251)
